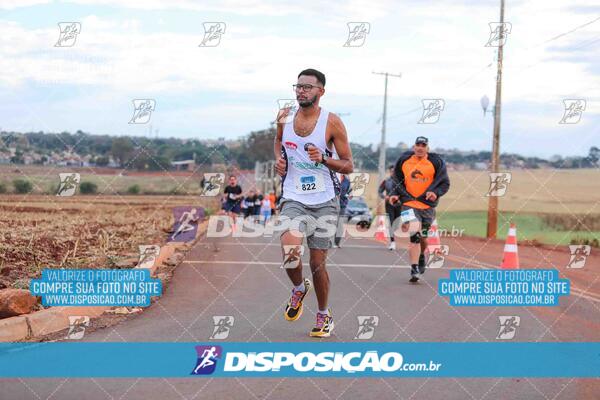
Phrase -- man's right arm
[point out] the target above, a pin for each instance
(277, 142)
(280, 163)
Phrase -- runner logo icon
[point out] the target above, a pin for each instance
(207, 359)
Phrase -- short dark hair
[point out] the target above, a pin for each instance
(232, 176)
(313, 72)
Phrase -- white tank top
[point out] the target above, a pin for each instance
(305, 181)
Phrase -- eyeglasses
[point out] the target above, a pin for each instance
(304, 88)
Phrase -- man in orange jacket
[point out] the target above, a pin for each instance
(421, 179)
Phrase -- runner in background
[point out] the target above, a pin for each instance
(244, 207)
(250, 200)
(232, 196)
(273, 200)
(265, 209)
(258, 198)
(386, 189)
(422, 180)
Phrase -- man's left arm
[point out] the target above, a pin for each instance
(339, 138)
(441, 181)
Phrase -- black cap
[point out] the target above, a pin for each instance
(421, 140)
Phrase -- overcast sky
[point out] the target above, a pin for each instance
(149, 49)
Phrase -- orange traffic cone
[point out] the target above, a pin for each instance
(433, 238)
(511, 255)
(381, 234)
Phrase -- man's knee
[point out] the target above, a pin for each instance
(415, 237)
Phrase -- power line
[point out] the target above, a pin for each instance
(571, 31)
(540, 44)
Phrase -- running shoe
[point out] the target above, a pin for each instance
(392, 246)
(324, 325)
(414, 274)
(293, 310)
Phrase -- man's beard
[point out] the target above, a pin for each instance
(307, 103)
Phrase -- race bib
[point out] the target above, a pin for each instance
(306, 184)
(408, 215)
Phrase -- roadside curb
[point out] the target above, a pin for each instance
(55, 319)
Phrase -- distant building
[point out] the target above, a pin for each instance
(184, 165)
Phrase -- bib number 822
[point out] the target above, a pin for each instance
(309, 186)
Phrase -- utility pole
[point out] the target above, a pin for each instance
(492, 225)
(383, 120)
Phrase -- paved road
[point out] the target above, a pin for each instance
(241, 278)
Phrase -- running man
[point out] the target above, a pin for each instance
(386, 189)
(232, 196)
(258, 198)
(249, 201)
(303, 153)
(422, 179)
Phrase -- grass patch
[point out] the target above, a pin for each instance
(530, 227)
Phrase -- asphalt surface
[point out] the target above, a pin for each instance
(240, 277)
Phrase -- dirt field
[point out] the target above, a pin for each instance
(38, 231)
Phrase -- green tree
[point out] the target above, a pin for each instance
(122, 150)
(594, 155)
(260, 144)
